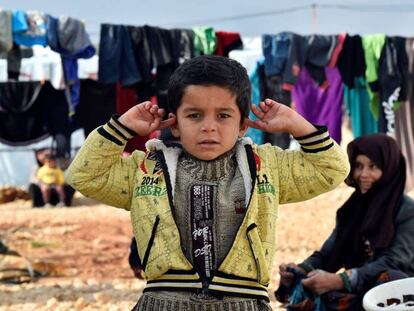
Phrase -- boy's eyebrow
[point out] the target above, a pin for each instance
(190, 109)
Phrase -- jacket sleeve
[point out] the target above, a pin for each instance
(317, 259)
(98, 170)
(318, 167)
(400, 254)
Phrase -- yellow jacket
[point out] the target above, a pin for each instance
(50, 176)
(144, 184)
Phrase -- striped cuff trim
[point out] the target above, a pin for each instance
(318, 149)
(107, 127)
(109, 136)
(130, 132)
(315, 142)
(320, 130)
(115, 124)
(118, 132)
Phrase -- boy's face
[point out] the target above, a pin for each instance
(208, 121)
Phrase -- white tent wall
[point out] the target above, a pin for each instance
(16, 163)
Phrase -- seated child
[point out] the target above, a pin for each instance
(51, 176)
(204, 206)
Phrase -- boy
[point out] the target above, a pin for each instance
(204, 207)
(50, 176)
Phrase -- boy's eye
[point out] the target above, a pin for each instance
(193, 115)
(224, 116)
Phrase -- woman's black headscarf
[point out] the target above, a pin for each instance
(370, 216)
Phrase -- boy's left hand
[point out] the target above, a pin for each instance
(272, 116)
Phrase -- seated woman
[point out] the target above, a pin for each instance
(373, 240)
(34, 187)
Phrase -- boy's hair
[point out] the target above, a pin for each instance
(209, 70)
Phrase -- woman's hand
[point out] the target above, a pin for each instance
(320, 281)
(287, 278)
(145, 118)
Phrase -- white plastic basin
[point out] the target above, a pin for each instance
(393, 289)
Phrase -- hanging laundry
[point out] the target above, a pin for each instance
(248, 58)
(226, 42)
(154, 54)
(3, 70)
(298, 47)
(351, 60)
(351, 65)
(272, 87)
(251, 59)
(314, 52)
(372, 45)
(182, 45)
(68, 37)
(96, 104)
(6, 34)
(57, 119)
(31, 111)
(44, 65)
(126, 98)
(204, 41)
(162, 61)
(357, 103)
(88, 68)
(116, 58)
(275, 50)
(321, 106)
(29, 28)
(21, 120)
(404, 118)
(14, 59)
(255, 134)
(392, 81)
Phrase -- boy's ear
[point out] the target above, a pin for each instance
(243, 127)
(174, 129)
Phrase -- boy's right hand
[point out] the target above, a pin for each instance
(146, 118)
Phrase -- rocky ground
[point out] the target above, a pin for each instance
(82, 251)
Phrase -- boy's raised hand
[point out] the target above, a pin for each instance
(271, 116)
(274, 117)
(145, 118)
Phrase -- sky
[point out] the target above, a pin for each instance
(249, 18)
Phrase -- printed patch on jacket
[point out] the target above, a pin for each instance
(263, 185)
(151, 163)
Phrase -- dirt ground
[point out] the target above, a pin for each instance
(84, 251)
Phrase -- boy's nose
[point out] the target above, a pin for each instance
(208, 126)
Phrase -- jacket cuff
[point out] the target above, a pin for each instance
(116, 132)
(316, 141)
(307, 267)
(353, 277)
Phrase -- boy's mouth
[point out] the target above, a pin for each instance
(208, 142)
